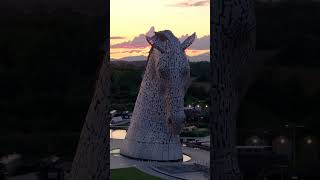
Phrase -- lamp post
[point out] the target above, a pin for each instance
(292, 134)
(264, 141)
(309, 141)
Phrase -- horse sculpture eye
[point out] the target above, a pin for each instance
(185, 72)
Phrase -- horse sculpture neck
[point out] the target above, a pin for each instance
(149, 110)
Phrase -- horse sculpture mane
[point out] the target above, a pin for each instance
(158, 114)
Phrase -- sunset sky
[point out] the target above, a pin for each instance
(131, 20)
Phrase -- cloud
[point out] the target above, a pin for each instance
(132, 58)
(115, 52)
(190, 4)
(133, 51)
(139, 42)
(117, 37)
(202, 43)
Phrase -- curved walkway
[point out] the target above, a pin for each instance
(198, 156)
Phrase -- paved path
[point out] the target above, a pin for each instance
(197, 156)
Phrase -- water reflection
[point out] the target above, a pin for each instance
(186, 158)
(118, 134)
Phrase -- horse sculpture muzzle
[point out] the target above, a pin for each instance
(175, 123)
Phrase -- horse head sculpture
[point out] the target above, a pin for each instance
(158, 113)
(172, 70)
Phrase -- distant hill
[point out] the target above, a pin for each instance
(128, 65)
(201, 57)
(132, 58)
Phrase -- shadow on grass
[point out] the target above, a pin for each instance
(129, 174)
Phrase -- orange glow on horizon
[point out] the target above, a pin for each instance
(118, 53)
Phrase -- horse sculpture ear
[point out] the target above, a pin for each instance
(156, 43)
(186, 43)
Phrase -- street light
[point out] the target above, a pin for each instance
(282, 141)
(255, 141)
(292, 127)
(309, 141)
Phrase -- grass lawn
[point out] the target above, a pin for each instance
(130, 174)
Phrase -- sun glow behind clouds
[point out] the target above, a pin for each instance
(129, 19)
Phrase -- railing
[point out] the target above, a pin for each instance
(207, 148)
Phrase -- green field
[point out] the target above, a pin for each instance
(130, 174)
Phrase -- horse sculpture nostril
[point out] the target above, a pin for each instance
(169, 120)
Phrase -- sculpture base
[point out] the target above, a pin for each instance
(179, 160)
(145, 151)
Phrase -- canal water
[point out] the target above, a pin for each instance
(117, 134)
